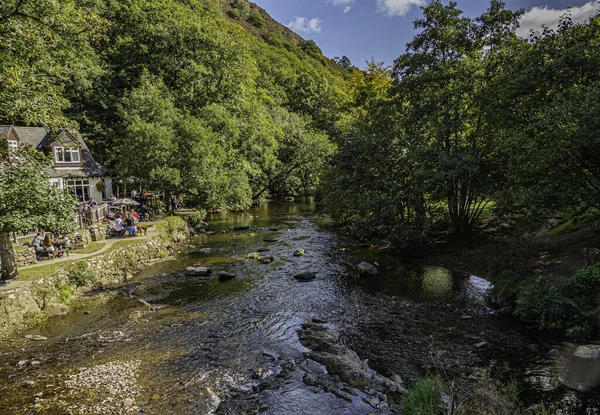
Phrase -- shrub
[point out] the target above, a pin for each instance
(235, 14)
(507, 277)
(171, 225)
(81, 274)
(195, 220)
(257, 20)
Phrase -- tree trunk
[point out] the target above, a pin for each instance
(8, 267)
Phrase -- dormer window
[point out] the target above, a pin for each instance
(12, 146)
(66, 154)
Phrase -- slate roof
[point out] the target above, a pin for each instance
(39, 138)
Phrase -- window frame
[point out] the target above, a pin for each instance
(64, 150)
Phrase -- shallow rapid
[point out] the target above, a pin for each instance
(201, 346)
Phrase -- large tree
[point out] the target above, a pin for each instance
(447, 76)
(28, 200)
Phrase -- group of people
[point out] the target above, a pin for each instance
(84, 206)
(53, 247)
(127, 223)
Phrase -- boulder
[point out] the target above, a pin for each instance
(299, 252)
(253, 255)
(481, 345)
(272, 240)
(266, 259)
(36, 337)
(366, 268)
(197, 271)
(590, 351)
(225, 276)
(305, 276)
(263, 250)
(241, 228)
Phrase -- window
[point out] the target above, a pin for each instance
(66, 154)
(12, 145)
(80, 188)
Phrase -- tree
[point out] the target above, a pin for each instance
(46, 46)
(445, 75)
(550, 100)
(27, 200)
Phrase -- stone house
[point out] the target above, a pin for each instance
(73, 168)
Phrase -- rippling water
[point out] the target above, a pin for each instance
(233, 348)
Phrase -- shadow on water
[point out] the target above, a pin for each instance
(232, 347)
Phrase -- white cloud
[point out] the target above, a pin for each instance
(302, 24)
(538, 16)
(397, 7)
(345, 3)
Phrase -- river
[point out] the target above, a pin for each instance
(233, 347)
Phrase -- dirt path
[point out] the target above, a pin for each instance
(108, 244)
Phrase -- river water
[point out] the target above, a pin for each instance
(233, 347)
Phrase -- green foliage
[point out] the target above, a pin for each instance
(171, 225)
(46, 46)
(241, 8)
(571, 307)
(81, 274)
(196, 219)
(256, 19)
(424, 397)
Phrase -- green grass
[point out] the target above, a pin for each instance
(577, 222)
(90, 248)
(424, 397)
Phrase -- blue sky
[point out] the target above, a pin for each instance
(380, 29)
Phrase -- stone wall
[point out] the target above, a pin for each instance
(101, 231)
(80, 239)
(25, 303)
(24, 255)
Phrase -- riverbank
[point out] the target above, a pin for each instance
(556, 257)
(46, 290)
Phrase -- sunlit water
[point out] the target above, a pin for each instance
(232, 347)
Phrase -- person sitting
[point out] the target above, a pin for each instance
(111, 200)
(48, 245)
(37, 240)
(130, 225)
(92, 203)
(61, 245)
(135, 215)
(118, 226)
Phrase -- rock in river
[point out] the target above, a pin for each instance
(36, 337)
(197, 271)
(305, 276)
(299, 252)
(241, 228)
(366, 268)
(266, 259)
(591, 351)
(225, 276)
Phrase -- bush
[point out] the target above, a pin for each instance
(81, 274)
(424, 397)
(171, 225)
(257, 20)
(196, 219)
(507, 277)
(571, 307)
(235, 14)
